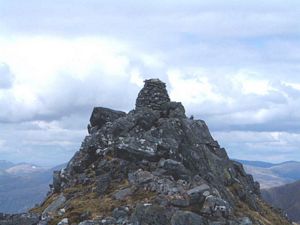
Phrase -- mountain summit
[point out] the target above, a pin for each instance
(153, 166)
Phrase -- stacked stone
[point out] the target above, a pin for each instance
(153, 95)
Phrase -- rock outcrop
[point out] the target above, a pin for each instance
(153, 166)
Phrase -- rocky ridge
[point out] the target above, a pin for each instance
(154, 166)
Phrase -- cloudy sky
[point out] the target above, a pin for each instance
(235, 64)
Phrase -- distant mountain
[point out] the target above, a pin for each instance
(24, 168)
(272, 175)
(286, 197)
(5, 164)
(287, 169)
(23, 185)
(256, 163)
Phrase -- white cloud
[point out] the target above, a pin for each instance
(233, 64)
(269, 146)
(46, 67)
(2, 143)
(194, 88)
(36, 60)
(6, 77)
(251, 83)
(293, 85)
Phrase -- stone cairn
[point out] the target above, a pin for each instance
(153, 95)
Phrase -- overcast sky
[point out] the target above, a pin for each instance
(234, 64)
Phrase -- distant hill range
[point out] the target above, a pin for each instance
(280, 184)
(286, 197)
(272, 175)
(23, 185)
(5, 164)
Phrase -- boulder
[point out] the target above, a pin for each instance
(134, 148)
(149, 214)
(215, 206)
(140, 177)
(199, 193)
(64, 221)
(121, 213)
(108, 221)
(116, 168)
(174, 168)
(173, 110)
(56, 181)
(245, 221)
(179, 200)
(123, 194)
(186, 217)
(145, 118)
(55, 205)
(103, 183)
(90, 222)
(100, 116)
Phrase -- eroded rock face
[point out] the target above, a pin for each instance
(100, 116)
(153, 165)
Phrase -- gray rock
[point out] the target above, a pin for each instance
(108, 221)
(199, 193)
(173, 109)
(116, 168)
(121, 213)
(100, 116)
(43, 222)
(90, 222)
(164, 186)
(123, 194)
(174, 168)
(215, 206)
(133, 148)
(180, 201)
(103, 183)
(85, 215)
(56, 181)
(145, 118)
(64, 221)
(239, 168)
(186, 217)
(245, 221)
(140, 177)
(55, 205)
(149, 214)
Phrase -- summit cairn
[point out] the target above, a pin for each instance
(153, 166)
(153, 95)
